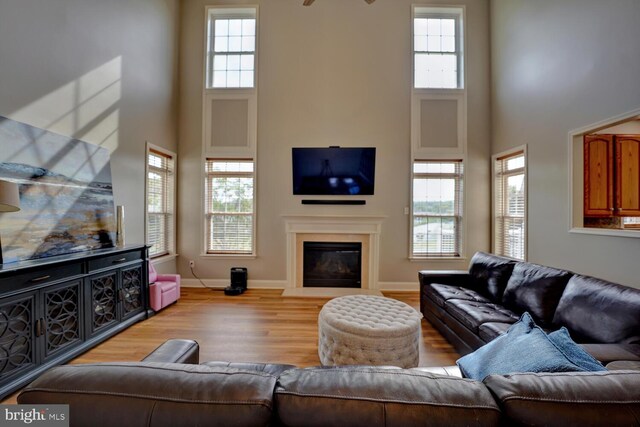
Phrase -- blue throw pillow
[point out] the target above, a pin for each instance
(523, 348)
(573, 351)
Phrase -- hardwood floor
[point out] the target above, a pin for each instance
(258, 326)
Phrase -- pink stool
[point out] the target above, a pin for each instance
(164, 289)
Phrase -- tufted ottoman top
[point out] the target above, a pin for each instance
(370, 316)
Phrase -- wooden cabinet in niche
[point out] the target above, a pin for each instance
(611, 176)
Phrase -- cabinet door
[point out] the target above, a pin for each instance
(62, 317)
(598, 175)
(627, 175)
(103, 301)
(131, 291)
(17, 335)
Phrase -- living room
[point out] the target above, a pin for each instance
(123, 75)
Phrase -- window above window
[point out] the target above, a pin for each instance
(231, 48)
(437, 48)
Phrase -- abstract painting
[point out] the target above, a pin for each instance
(66, 196)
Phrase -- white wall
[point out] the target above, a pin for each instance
(335, 73)
(559, 66)
(104, 71)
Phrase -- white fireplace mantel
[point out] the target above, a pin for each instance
(360, 227)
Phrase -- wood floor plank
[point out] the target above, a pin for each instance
(258, 326)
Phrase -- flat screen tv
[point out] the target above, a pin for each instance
(334, 171)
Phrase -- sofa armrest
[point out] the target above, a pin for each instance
(175, 351)
(169, 278)
(445, 277)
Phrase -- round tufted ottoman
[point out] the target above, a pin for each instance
(368, 330)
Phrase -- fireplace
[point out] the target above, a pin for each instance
(332, 264)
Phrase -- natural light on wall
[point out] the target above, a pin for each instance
(87, 109)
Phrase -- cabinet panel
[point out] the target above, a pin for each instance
(628, 175)
(17, 330)
(131, 292)
(598, 175)
(103, 310)
(62, 317)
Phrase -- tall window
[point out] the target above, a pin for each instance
(437, 209)
(510, 205)
(230, 211)
(231, 48)
(160, 202)
(437, 47)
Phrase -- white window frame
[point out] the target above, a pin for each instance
(441, 12)
(248, 94)
(170, 199)
(461, 217)
(207, 215)
(521, 150)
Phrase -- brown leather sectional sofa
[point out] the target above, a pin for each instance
(170, 389)
(471, 308)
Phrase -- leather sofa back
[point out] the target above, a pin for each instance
(172, 394)
(490, 274)
(597, 311)
(536, 289)
(579, 398)
(369, 396)
(156, 394)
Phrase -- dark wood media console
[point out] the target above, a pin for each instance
(53, 309)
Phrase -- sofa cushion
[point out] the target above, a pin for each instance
(490, 274)
(156, 394)
(268, 368)
(535, 289)
(524, 348)
(606, 353)
(472, 314)
(578, 399)
(597, 311)
(492, 330)
(441, 293)
(366, 396)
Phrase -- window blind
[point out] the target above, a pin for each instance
(437, 208)
(229, 205)
(510, 206)
(160, 203)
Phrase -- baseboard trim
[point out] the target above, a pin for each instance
(399, 286)
(282, 284)
(223, 283)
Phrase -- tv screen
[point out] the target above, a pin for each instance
(334, 171)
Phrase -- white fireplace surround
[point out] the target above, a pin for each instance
(341, 228)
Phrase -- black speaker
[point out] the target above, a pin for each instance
(238, 281)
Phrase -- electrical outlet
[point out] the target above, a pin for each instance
(192, 264)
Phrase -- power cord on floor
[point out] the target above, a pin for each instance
(202, 283)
